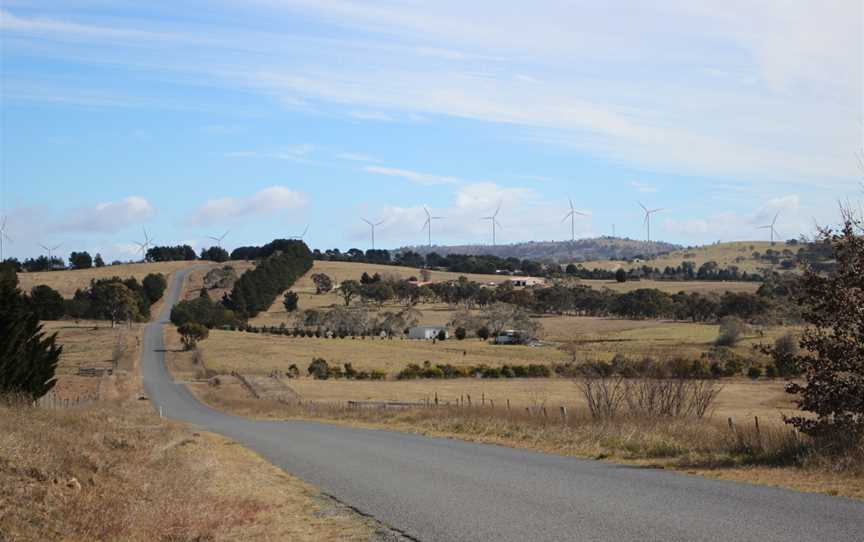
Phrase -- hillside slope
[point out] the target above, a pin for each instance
(600, 248)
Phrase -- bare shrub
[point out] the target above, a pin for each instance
(604, 391)
(731, 329)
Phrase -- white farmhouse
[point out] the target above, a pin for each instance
(426, 332)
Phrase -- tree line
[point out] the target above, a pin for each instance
(113, 299)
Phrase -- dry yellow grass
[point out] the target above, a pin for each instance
(92, 344)
(261, 353)
(737, 253)
(66, 282)
(740, 399)
(673, 287)
(119, 473)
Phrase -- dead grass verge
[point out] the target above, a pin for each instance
(104, 473)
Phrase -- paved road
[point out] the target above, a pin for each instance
(439, 489)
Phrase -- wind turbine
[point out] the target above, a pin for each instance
(301, 236)
(217, 239)
(572, 216)
(142, 247)
(372, 225)
(771, 227)
(50, 251)
(494, 220)
(428, 224)
(648, 213)
(3, 236)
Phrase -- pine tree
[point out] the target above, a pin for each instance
(28, 359)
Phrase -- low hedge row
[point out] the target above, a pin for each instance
(427, 370)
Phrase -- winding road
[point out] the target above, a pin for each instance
(438, 489)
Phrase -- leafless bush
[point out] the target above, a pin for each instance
(674, 397)
(603, 393)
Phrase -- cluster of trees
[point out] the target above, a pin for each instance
(170, 254)
(204, 311)
(112, 299)
(214, 254)
(116, 299)
(257, 288)
(28, 357)
(770, 302)
(265, 251)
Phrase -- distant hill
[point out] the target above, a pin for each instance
(601, 248)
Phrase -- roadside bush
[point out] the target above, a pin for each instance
(319, 369)
(784, 353)
(754, 372)
(191, 333)
(731, 329)
(771, 371)
(154, 286)
(293, 371)
(442, 335)
(483, 333)
(461, 333)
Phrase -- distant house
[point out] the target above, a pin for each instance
(512, 336)
(527, 281)
(426, 332)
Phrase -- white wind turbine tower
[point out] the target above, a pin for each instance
(428, 224)
(494, 220)
(301, 236)
(771, 227)
(372, 225)
(50, 251)
(3, 236)
(648, 213)
(572, 216)
(142, 247)
(217, 239)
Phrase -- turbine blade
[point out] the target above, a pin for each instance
(643, 207)
(379, 223)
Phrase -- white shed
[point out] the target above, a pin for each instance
(426, 332)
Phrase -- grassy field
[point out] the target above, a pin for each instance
(92, 344)
(585, 338)
(673, 287)
(741, 398)
(225, 351)
(66, 282)
(725, 254)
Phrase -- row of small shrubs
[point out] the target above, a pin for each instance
(297, 332)
(319, 369)
(427, 370)
(717, 363)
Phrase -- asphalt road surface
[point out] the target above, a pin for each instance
(440, 489)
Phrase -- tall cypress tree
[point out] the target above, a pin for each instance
(28, 358)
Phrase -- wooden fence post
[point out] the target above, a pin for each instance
(469, 399)
(508, 403)
(564, 413)
(483, 399)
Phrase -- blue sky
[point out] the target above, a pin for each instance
(264, 116)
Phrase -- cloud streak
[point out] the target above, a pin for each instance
(265, 202)
(415, 177)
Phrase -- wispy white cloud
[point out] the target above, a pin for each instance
(644, 188)
(356, 157)
(413, 176)
(267, 201)
(107, 216)
(296, 153)
(372, 115)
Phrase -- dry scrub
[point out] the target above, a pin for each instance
(99, 474)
